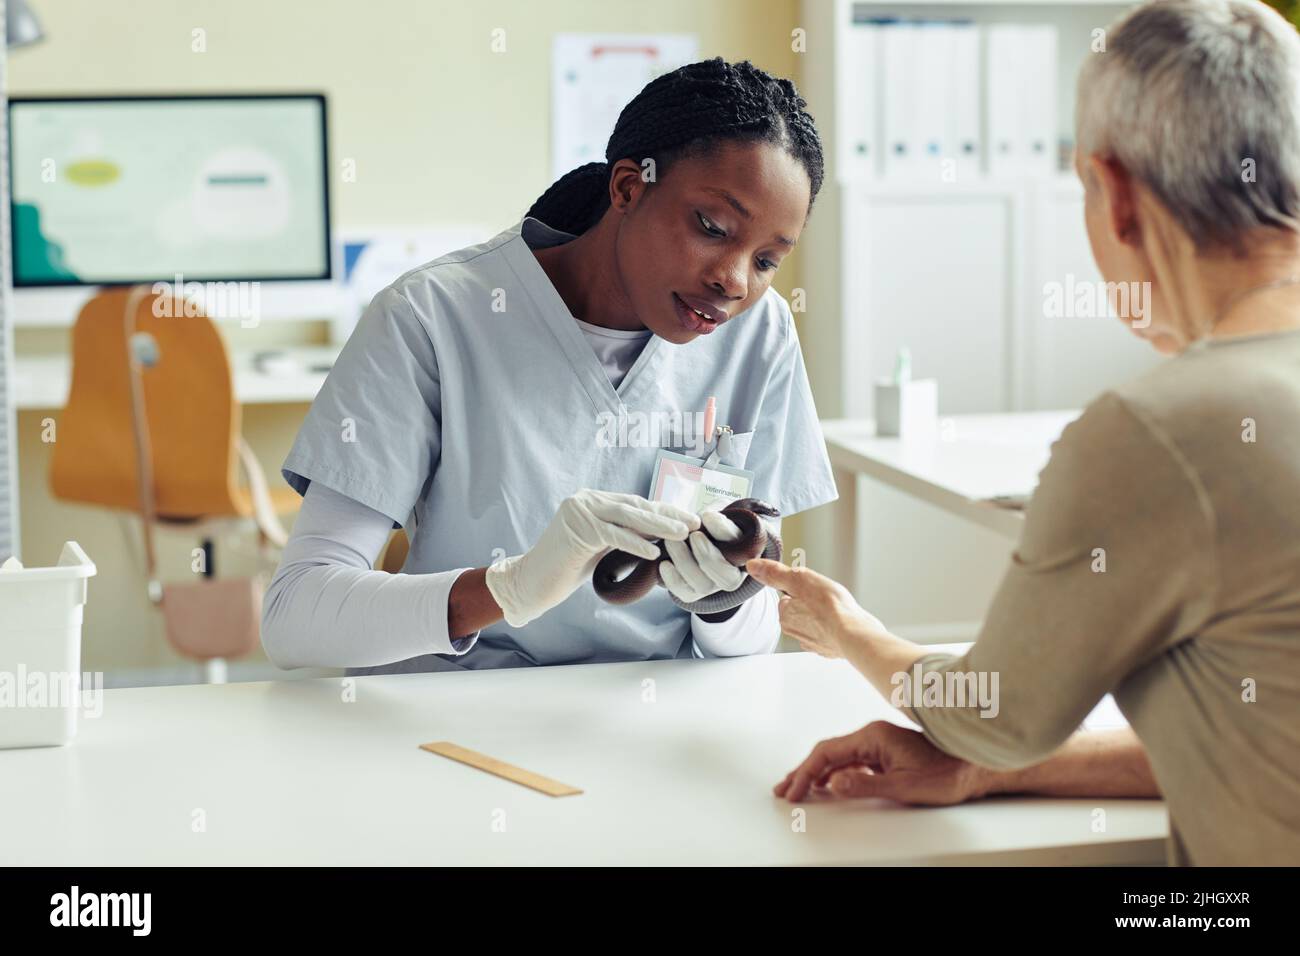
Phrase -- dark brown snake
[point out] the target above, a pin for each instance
(621, 578)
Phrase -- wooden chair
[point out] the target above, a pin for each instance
(195, 449)
(394, 554)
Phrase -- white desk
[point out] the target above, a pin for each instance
(42, 381)
(968, 461)
(288, 773)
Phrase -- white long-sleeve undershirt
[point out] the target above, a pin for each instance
(327, 607)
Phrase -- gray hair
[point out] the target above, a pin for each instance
(1200, 100)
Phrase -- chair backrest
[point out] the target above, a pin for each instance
(189, 401)
(394, 555)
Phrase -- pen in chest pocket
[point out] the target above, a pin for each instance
(722, 433)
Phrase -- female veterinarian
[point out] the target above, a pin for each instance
(468, 407)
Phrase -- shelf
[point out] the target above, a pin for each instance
(983, 186)
(42, 381)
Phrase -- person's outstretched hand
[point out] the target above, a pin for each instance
(884, 760)
(816, 611)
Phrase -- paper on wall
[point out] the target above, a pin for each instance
(593, 76)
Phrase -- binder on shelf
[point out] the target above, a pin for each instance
(1040, 99)
(899, 93)
(859, 93)
(1001, 61)
(964, 100)
(1021, 72)
(931, 69)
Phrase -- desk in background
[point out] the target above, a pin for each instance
(43, 381)
(969, 461)
(677, 760)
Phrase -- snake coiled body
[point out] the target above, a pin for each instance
(622, 578)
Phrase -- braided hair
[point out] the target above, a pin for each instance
(687, 113)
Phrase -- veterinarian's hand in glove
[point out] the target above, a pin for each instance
(697, 568)
(586, 526)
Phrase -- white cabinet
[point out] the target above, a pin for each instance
(935, 273)
(956, 272)
(1068, 359)
(953, 270)
(962, 278)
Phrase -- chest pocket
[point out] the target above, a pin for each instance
(736, 455)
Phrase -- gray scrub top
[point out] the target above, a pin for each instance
(467, 405)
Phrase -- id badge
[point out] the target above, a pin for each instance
(695, 485)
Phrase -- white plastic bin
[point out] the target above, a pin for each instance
(40, 649)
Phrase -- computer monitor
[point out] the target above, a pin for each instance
(116, 190)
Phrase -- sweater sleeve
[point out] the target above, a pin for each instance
(1115, 566)
(327, 607)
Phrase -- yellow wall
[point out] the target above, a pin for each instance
(441, 130)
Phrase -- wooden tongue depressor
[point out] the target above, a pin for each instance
(510, 772)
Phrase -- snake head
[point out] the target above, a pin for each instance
(768, 516)
(756, 505)
(755, 514)
(761, 508)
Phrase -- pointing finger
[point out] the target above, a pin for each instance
(774, 574)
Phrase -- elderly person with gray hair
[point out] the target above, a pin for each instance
(1160, 558)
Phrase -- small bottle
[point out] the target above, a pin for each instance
(903, 366)
(905, 407)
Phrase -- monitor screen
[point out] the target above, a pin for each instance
(111, 191)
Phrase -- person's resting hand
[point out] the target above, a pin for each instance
(885, 760)
(586, 526)
(817, 612)
(697, 568)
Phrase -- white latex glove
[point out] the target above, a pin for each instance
(698, 568)
(585, 528)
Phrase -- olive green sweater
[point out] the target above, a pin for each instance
(1160, 561)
